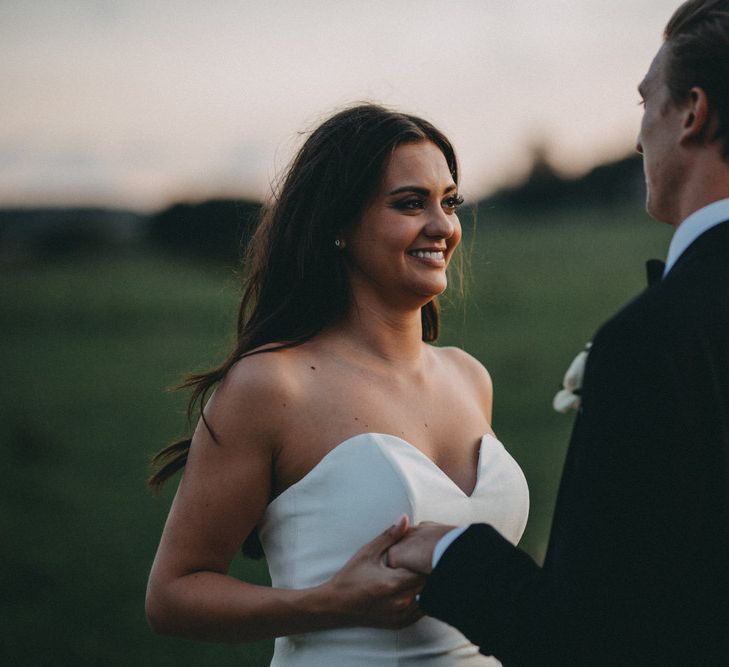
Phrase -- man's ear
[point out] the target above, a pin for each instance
(696, 117)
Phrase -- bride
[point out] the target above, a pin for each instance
(335, 418)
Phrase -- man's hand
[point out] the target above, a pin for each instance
(414, 551)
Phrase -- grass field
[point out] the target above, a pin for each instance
(89, 345)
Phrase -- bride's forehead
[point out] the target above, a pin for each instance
(423, 160)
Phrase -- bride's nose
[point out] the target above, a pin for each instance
(441, 224)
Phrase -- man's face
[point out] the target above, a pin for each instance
(659, 143)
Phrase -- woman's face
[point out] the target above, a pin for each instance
(401, 247)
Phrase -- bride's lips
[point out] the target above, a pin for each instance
(430, 256)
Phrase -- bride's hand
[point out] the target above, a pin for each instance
(370, 593)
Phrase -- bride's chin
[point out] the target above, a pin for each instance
(431, 286)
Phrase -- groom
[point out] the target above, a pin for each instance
(637, 569)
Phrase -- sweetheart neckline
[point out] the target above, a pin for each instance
(411, 446)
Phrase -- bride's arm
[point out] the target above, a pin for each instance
(223, 493)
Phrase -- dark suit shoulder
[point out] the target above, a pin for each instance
(692, 298)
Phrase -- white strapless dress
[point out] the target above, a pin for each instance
(356, 491)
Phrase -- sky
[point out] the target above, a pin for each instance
(137, 104)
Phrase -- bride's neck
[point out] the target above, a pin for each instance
(386, 335)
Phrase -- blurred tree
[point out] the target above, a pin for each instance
(215, 229)
(47, 233)
(543, 189)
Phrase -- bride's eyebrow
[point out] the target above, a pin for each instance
(418, 190)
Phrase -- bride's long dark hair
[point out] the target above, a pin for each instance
(296, 280)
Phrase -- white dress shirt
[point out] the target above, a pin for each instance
(687, 232)
(694, 226)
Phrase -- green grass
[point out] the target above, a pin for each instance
(90, 344)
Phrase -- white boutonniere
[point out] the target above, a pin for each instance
(568, 398)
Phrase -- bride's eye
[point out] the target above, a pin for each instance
(452, 203)
(412, 204)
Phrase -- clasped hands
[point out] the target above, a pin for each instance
(379, 585)
(414, 549)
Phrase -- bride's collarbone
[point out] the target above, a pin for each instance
(333, 417)
(430, 419)
(434, 413)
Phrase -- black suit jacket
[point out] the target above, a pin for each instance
(637, 569)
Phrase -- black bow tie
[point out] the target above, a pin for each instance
(654, 269)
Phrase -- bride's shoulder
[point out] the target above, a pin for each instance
(467, 367)
(263, 384)
(266, 372)
(256, 403)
